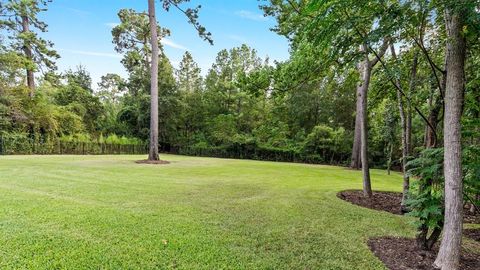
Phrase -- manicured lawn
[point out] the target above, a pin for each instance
(106, 212)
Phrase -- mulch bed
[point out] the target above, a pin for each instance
(403, 254)
(157, 162)
(389, 202)
(473, 234)
(381, 200)
(468, 217)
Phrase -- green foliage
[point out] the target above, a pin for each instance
(273, 134)
(223, 129)
(81, 102)
(301, 109)
(426, 199)
(471, 174)
(110, 139)
(13, 143)
(43, 56)
(79, 77)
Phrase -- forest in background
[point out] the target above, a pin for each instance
(246, 106)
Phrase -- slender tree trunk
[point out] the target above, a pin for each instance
(390, 153)
(449, 254)
(431, 140)
(365, 68)
(153, 153)
(406, 179)
(403, 124)
(356, 163)
(409, 128)
(411, 89)
(27, 49)
(366, 74)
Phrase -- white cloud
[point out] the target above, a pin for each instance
(111, 24)
(251, 15)
(172, 44)
(90, 53)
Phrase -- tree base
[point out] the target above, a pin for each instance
(155, 162)
(403, 253)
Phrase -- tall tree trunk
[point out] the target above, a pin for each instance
(357, 138)
(27, 49)
(390, 154)
(408, 129)
(431, 140)
(403, 124)
(411, 89)
(365, 70)
(449, 254)
(364, 83)
(406, 179)
(153, 153)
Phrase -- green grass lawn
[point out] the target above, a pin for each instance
(106, 212)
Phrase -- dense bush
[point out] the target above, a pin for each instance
(426, 197)
(253, 150)
(427, 194)
(14, 143)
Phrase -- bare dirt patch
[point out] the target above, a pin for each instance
(154, 162)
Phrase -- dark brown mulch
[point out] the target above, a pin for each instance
(472, 233)
(403, 254)
(381, 200)
(390, 202)
(468, 217)
(157, 162)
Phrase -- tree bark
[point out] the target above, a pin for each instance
(355, 162)
(390, 154)
(153, 151)
(411, 88)
(449, 254)
(366, 69)
(431, 140)
(27, 49)
(403, 124)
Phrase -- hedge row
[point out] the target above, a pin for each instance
(257, 152)
(26, 146)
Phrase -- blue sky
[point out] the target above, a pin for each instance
(81, 32)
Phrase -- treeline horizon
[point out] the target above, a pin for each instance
(243, 103)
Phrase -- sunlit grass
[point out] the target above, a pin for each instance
(106, 212)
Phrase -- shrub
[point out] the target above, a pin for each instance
(426, 197)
